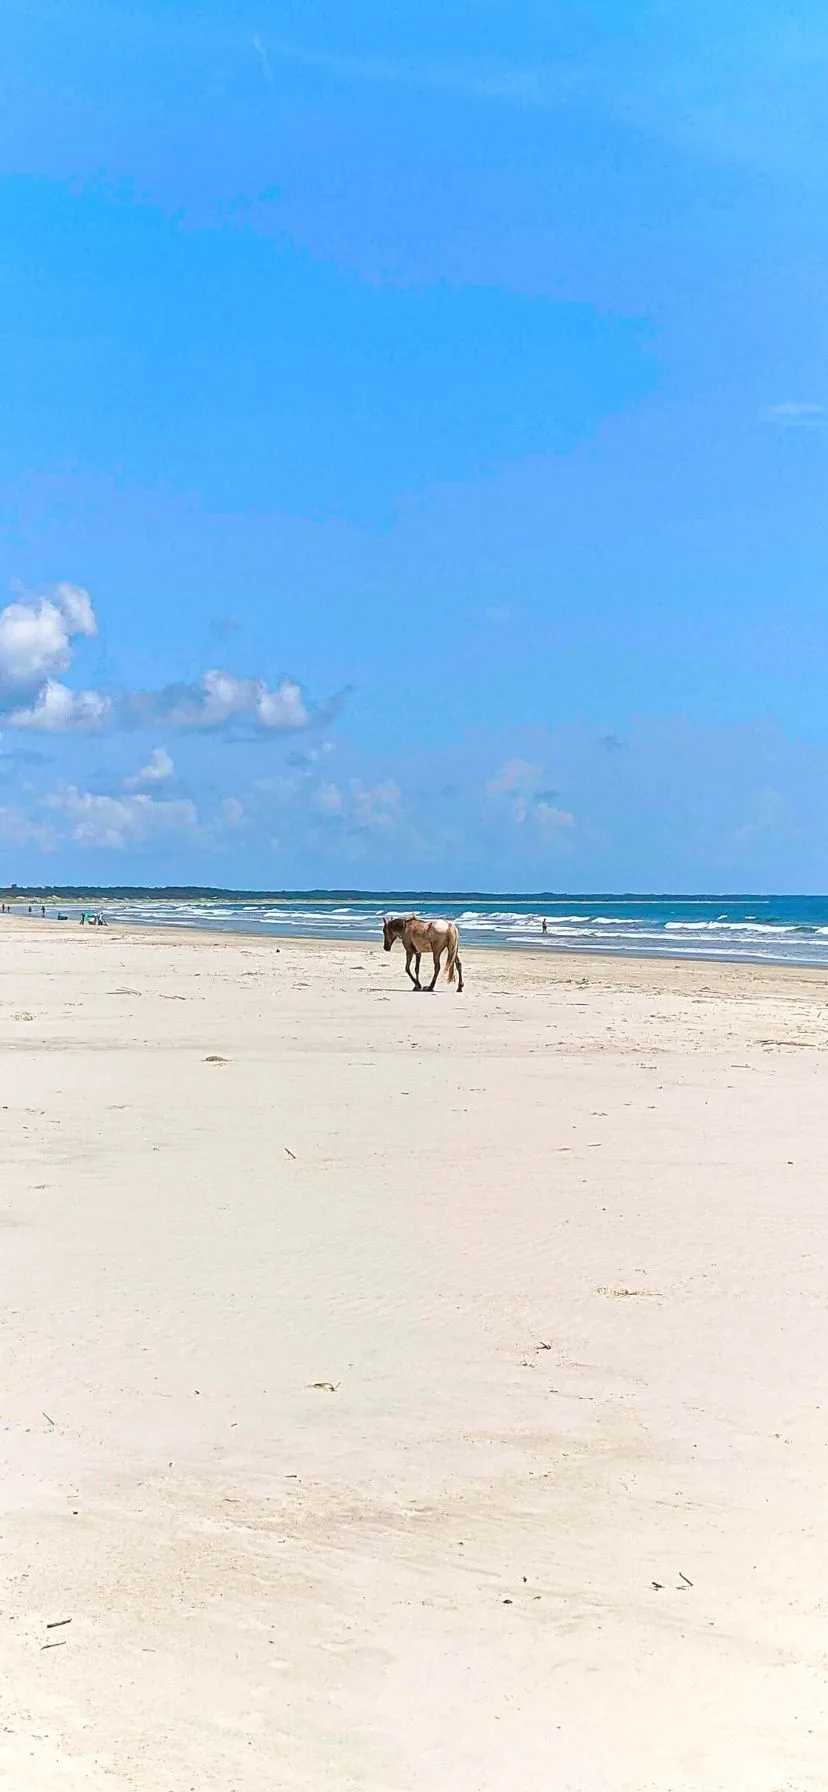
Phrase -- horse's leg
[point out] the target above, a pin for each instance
(459, 976)
(415, 978)
(436, 956)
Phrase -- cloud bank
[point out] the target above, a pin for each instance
(38, 631)
(218, 698)
(120, 821)
(57, 710)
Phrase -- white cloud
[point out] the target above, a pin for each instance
(263, 59)
(376, 805)
(515, 775)
(232, 812)
(158, 768)
(550, 819)
(544, 85)
(57, 710)
(19, 829)
(517, 783)
(797, 416)
(516, 780)
(36, 632)
(282, 708)
(75, 605)
(329, 800)
(121, 821)
(220, 697)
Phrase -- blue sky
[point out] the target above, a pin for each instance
(414, 448)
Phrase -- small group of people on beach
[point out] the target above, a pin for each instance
(88, 918)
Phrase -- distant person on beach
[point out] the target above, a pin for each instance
(543, 925)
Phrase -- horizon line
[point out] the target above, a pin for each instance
(20, 891)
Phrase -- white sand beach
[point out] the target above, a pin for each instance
(410, 1394)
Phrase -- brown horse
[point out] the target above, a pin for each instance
(419, 936)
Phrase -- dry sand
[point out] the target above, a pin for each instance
(410, 1394)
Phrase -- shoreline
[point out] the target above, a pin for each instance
(579, 956)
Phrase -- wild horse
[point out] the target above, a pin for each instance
(419, 936)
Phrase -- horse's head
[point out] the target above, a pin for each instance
(388, 936)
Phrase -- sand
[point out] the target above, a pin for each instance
(410, 1394)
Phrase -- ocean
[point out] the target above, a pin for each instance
(761, 929)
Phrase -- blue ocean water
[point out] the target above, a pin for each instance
(764, 929)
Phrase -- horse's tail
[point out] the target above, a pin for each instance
(453, 949)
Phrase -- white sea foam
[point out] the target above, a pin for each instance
(793, 930)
